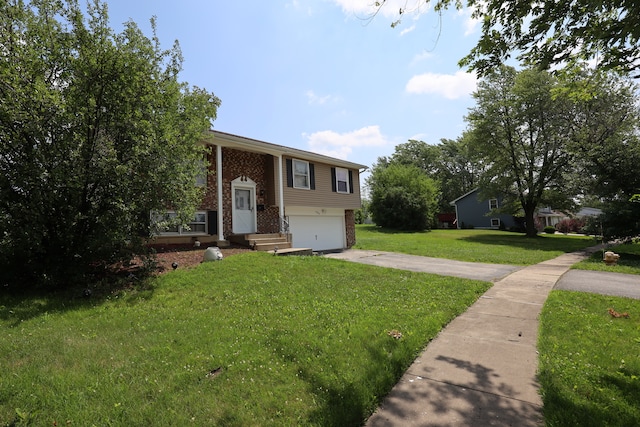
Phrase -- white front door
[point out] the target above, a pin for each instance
(244, 210)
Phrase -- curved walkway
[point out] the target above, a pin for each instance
(481, 369)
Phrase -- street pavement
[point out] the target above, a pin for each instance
(600, 282)
(481, 369)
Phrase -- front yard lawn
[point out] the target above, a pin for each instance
(490, 246)
(589, 366)
(629, 262)
(250, 340)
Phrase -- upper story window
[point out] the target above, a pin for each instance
(342, 180)
(493, 203)
(301, 174)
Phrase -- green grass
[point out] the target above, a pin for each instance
(589, 366)
(629, 262)
(490, 246)
(291, 341)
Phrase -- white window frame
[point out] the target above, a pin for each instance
(180, 230)
(345, 180)
(493, 203)
(296, 174)
(495, 222)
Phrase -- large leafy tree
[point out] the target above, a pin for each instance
(96, 131)
(402, 197)
(449, 163)
(519, 131)
(548, 33)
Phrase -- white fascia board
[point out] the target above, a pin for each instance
(234, 141)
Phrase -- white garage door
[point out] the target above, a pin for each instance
(319, 233)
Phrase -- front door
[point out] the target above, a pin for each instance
(244, 212)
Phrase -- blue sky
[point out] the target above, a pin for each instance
(317, 75)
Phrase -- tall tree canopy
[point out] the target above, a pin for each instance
(519, 130)
(402, 197)
(547, 33)
(545, 140)
(449, 163)
(96, 131)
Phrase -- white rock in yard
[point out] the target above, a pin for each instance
(212, 254)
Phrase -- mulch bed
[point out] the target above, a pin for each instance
(187, 257)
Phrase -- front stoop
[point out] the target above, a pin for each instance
(293, 251)
(263, 242)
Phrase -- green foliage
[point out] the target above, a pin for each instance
(490, 246)
(519, 129)
(449, 163)
(96, 131)
(402, 197)
(547, 34)
(250, 340)
(550, 229)
(588, 365)
(363, 214)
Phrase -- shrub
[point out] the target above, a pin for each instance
(549, 229)
(572, 225)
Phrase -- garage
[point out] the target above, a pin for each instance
(319, 232)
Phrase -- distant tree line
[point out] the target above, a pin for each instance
(536, 138)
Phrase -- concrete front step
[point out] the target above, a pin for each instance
(270, 246)
(293, 251)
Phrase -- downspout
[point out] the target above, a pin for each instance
(220, 201)
(280, 188)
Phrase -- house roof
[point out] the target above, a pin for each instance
(229, 140)
(463, 196)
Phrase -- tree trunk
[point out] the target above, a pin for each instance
(529, 221)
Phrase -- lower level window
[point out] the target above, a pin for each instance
(168, 225)
(495, 222)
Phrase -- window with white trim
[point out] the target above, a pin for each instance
(493, 203)
(495, 222)
(342, 180)
(300, 174)
(168, 226)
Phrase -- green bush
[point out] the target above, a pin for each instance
(550, 229)
(402, 197)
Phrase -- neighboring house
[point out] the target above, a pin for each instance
(589, 212)
(548, 217)
(255, 187)
(474, 212)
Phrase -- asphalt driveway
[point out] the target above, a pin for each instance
(443, 267)
(599, 282)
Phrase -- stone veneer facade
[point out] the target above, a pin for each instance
(350, 223)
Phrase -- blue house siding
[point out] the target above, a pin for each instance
(472, 212)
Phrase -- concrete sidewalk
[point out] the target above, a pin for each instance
(481, 369)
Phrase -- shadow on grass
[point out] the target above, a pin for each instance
(17, 306)
(618, 406)
(538, 243)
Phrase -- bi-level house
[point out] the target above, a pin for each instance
(267, 195)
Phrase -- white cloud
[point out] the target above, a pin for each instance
(407, 30)
(422, 56)
(315, 99)
(367, 8)
(341, 145)
(451, 86)
(470, 23)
